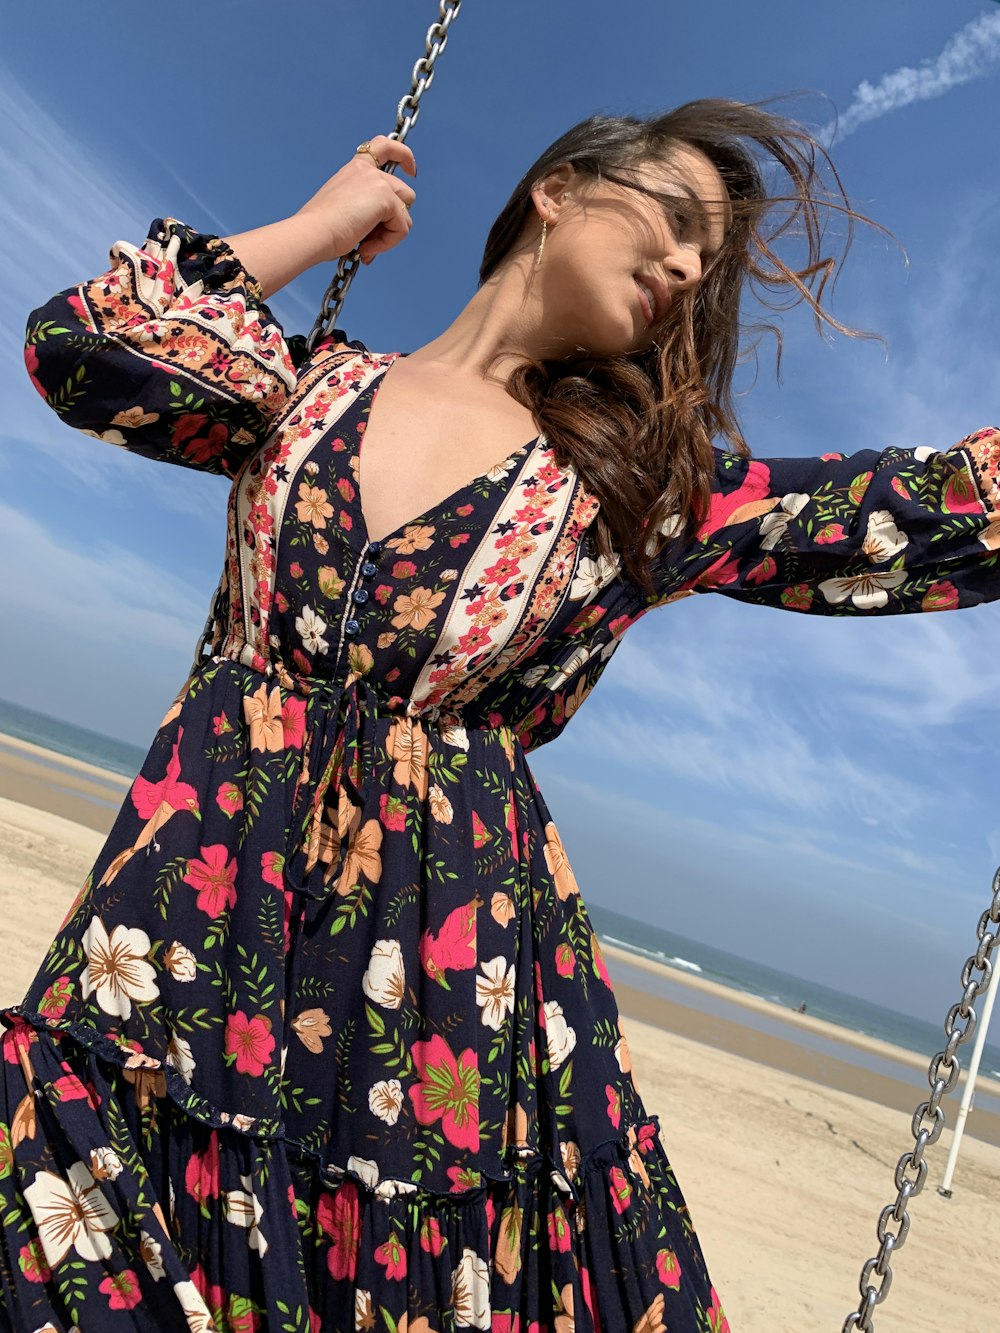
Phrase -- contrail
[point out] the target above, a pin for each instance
(966, 56)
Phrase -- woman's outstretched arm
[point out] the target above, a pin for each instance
(873, 532)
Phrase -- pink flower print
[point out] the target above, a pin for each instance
(393, 1256)
(480, 833)
(199, 448)
(940, 597)
(717, 1321)
(799, 597)
(560, 1237)
(249, 1043)
(565, 960)
(272, 865)
(201, 1175)
(122, 1290)
(293, 722)
(614, 1104)
(214, 876)
(454, 946)
(148, 797)
(339, 1217)
(31, 362)
(766, 570)
(668, 1269)
(431, 1236)
(32, 1264)
(403, 569)
(392, 812)
(621, 1189)
(505, 1322)
(57, 996)
(221, 724)
(229, 798)
(448, 1090)
(243, 1316)
(750, 499)
(961, 495)
(830, 532)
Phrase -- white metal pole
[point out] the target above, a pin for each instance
(970, 1082)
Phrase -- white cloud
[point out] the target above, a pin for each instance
(970, 54)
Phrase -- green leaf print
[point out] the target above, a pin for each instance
(167, 879)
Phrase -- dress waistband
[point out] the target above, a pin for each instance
(340, 721)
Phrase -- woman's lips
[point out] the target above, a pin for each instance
(646, 307)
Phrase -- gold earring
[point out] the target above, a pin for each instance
(545, 227)
(541, 247)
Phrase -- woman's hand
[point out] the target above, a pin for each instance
(363, 205)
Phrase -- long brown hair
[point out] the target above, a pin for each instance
(670, 401)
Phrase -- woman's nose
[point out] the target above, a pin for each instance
(684, 267)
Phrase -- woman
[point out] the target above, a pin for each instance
(326, 1041)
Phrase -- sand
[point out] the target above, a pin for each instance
(785, 1157)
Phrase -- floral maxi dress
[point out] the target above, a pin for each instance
(326, 1041)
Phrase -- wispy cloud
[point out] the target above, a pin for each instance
(969, 54)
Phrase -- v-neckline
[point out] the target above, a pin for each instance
(435, 508)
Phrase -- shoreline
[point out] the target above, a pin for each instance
(808, 1022)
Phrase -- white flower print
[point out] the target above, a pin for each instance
(105, 1164)
(152, 1255)
(364, 1313)
(866, 591)
(385, 980)
(591, 576)
(775, 525)
(311, 628)
(576, 661)
(883, 539)
(454, 734)
(118, 968)
(366, 1168)
(179, 1055)
(244, 1209)
(392, 1187)
(196, 1312)
(495, 991)
(560, 1037)
(533, 675)
(385, 1099)
(470, 1291)
(70, 1214)
(923, 452)
(181, 962)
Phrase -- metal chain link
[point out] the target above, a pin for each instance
(406, 117)
(942, 1075)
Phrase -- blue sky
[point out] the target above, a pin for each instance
(816, 794)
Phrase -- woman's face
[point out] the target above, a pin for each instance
(605, 244)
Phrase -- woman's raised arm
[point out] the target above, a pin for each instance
(867, 533)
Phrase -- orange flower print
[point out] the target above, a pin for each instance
(416, 610)
(313, 505)
(407, 746)
(311, 1026)
(363, 858)
(262, 712)
(652, 1320)
(414, 537)
(558, 863)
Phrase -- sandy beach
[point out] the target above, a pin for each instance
(786, 1156)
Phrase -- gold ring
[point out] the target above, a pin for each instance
(367, 148)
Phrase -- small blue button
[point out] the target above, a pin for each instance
(368, 569)
(351, 626)
(374, 548)
(360, 594)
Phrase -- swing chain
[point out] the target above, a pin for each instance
(942, 1075)
(406, 117)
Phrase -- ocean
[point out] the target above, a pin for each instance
(637, 937)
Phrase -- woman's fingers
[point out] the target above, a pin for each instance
(387, 149)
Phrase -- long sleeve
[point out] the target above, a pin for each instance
(171, 354)
(868, 533)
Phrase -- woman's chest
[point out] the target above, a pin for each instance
(478, 573)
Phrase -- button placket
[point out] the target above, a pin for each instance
(360, 596)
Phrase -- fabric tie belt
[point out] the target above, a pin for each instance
(337, 763)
